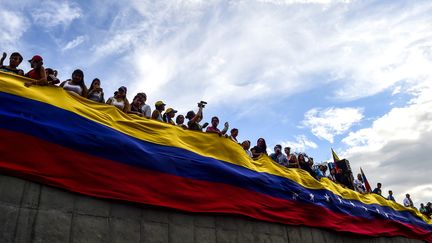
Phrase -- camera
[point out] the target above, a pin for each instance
(202, 104)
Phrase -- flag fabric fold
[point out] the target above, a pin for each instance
(53, 137)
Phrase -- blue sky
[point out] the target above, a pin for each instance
(311, 74)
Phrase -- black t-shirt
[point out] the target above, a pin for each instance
(377, 191)
(135, 108)
(194, 126)
(260, 150)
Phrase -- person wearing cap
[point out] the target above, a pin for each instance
(37, 72)
(15, 60)
(169, 115)
(76, 84)
(157, 113)
(119, 100)
(213, 128)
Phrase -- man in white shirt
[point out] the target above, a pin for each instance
(146, 110)
(358, 184)
(407, 201)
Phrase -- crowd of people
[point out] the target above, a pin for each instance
(47, 76)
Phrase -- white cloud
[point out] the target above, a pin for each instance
(301, 144)
(54, 13)
(13, 27)
(74, 43)
(396, 90)
(329, 122)
(280, 2)
(241, 52)
(395, 150)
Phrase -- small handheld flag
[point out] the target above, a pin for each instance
(366, 182)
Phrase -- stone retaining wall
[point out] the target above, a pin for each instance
(30, 212)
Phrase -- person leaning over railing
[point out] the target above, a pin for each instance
(390, 196)
(95, 92)
(37, 73)
(145, 109)
(332, 175)
(76, 84)
(213, 128)
(136, 105)
(278, 156)
(407, 202)
(169, 115)
(157, 113)
(358, 184)
(51, 78)
(180, 121)
(233, 134)
(120, 100)
(293, 161)
(15, 60)
(246, 145)
(194, 119)
(260, 148)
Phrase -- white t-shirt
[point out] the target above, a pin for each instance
(358, 186)
(249, 153)
(407, 202)
(74, 88)
(119, 104)
(146, 110)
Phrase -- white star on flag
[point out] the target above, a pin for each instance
(327, 198)
(295, 195)
(311, 197)
(352, 204)
(340, 200)
(386, 215)
(365, 208)
(377, 210)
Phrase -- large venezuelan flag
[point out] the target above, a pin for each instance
(60, 139)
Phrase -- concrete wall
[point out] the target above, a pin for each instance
(30, 212)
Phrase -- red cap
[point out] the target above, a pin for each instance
(36, 58)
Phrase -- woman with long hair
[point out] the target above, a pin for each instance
(260, 148)
(293, 162)
(76, 84)
(96, 92)
(119, 100)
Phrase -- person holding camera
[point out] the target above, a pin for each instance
(194, 119)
